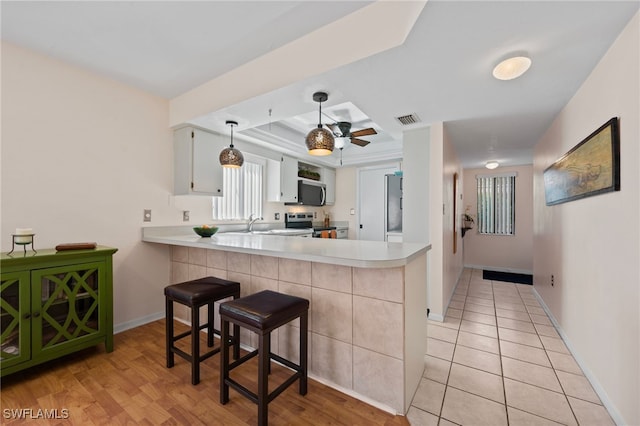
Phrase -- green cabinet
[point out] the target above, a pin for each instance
(54, 303)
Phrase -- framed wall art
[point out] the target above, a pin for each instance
(590, 168)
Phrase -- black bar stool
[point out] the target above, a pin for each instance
(262, 313)
(194, 294)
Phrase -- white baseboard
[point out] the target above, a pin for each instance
(436, 317)
(602, 394)
(119, 328)
(499, 269)
(355, 395)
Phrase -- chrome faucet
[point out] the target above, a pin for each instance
(252, 220)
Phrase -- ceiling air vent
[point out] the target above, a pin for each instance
(405, 120)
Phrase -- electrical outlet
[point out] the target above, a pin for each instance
(147, 216)
(315, 215)
(552, 280)
(185, 216)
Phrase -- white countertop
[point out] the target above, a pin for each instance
(362, 254)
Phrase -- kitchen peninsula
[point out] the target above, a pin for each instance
(367, 328)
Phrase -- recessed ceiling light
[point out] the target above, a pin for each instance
(512, 68)
(491, 165)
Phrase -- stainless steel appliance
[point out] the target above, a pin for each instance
(303, 223)
(393, 202)
(299, 224)
(311, 193)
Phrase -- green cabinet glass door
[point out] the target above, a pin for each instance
(66, 306)
(15, 324)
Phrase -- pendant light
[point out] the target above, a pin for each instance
(231, 157)
(320, 141)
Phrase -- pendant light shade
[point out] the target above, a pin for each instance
(320, 141)
(231, 157)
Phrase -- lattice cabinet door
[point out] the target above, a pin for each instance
(66, 305)
(15, 323)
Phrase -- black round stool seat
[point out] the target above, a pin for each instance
(195, 294)
(262, 313)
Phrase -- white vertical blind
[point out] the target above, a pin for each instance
(242, 189)
(496, 204)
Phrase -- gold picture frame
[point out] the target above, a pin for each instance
(590, 168)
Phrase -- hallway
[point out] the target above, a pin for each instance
(498, 360)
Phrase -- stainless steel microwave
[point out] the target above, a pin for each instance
(311, 193)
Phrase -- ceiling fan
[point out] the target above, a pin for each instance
(342, 129)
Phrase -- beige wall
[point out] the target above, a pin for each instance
(82, 157)
(591, 246)
(512, 253)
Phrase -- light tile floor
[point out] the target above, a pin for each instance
(498, 360)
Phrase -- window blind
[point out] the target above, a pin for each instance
(242, 189)
(496, 204)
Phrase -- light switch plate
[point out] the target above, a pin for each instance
(185, 216)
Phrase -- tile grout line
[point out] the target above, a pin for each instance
(555, 373)
(504, 386)
(446, 386)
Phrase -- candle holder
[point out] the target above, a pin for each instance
(22, 240)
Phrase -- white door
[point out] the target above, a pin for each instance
(371, 202)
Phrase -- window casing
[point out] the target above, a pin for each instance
(243, 191)
(496, 204)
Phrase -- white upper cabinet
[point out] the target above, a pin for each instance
(196, 168)
(282, 180)
(328, 177)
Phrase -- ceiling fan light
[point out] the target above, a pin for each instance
(492, 165)
(512, 68)
(231, 157)
(341, 142)
(320, 141)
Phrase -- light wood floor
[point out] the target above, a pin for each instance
(132, 386)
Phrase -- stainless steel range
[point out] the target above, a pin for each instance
(299, 224)
(305, 221)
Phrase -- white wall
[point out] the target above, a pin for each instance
(512, 253)
(82, 157)
(592, 245)
(346, 199)
(416, 199)
(429, 162)
(452, 262)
